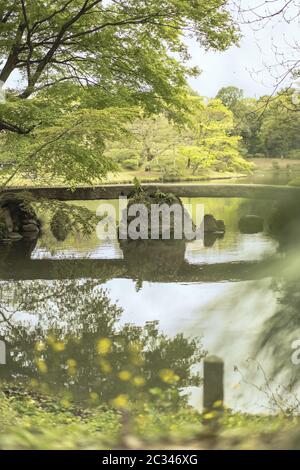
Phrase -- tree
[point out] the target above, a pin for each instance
(152, 138)
(231, 97)
(77, 346)
(203, 141)
(84, 64)
(269, 125)
(279, 131)
(211, 140)
(246, 120)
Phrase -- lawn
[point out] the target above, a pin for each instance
(271, 164)
(124, 177)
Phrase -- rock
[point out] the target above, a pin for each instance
(251, 224)
(17, 215)
(6, 217)
(15, 236)
(156, 226)
(221, 226)
(32, 221)
(30, 228)
(211, 237)
(210, 223)
(30, 235)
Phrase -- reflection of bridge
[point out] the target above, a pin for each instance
(108, 269)
(113, 191)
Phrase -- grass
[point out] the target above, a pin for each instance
(126, 177)
(31, 420)
(271, 164)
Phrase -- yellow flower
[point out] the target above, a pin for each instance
(139, 381)
(42, 366)
(33, 383)
(209, 415)
(168, 376)
(40, 346)
(104, 346)
(218, 404)
(137, 360)
(121, 401)
(58, 346)
(51, 339)
(125, 375)
(65, 403)
(71, 363)
(94, 396)
(105, 366)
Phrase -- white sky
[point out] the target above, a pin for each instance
(238, 66)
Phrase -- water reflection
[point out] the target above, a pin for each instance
(226, 293)
(67, 337)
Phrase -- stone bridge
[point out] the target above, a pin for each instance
(104, 270)
(113, 191)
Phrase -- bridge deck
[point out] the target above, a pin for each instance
(113, 191)
(103, 270)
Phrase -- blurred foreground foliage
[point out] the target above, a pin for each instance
(31, 420)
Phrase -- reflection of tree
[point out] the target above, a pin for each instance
(74, 343)
(151, 259)
(281, 329)
(11, 252)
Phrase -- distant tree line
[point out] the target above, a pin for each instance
(269, 126)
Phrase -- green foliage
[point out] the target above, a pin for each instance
(294, 154)
(60, 224)
(231, 98)
(78, 350)
(268, 126)
(279, 131)
(68, 147)
(32, 420)
(85, 66)
(131, 163)
(204, 141)
(75, 218)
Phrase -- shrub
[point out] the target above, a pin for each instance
(60, 225)
(294, 154)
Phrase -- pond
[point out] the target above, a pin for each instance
(280, 177)
(229, 293)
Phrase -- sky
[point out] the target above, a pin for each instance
(239, 66)
(245, 66)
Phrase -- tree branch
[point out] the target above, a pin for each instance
(12, 59)
(43, 63)
(6, 126)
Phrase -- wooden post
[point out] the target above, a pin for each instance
(213, 388)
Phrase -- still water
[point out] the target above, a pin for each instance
(231, 293)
